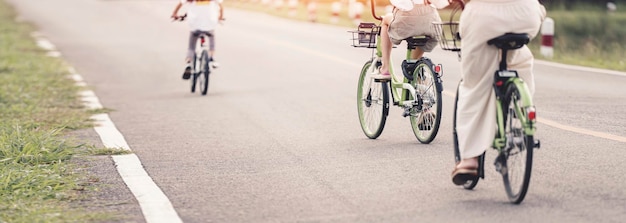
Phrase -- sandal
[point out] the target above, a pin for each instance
(460, 176)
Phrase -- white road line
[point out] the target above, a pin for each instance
(46, 45)
(155, 206)
(582, 131)
(580, 68)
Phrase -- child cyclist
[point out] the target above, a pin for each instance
(203, 17)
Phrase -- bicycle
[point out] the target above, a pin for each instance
(418, 91)
(515, 115)
(200, 69)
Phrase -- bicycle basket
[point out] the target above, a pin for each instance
(447, 33)
(365, 35)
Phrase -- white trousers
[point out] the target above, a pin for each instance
(480, 21)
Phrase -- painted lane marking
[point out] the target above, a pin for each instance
(567, 127)
(581, 68)
(582, 131)
(46, 45)
(154, 204)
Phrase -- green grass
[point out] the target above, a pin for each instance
(584, 35)
(107, 151)
(592, 38)
(39, 104)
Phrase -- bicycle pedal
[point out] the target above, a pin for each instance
(500, 164)
(380, 80)
(537, 144)
(406, 113)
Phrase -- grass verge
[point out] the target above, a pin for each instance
(38, 105)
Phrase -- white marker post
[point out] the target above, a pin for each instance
(292, 5)
(358, 10)
(335, 8)
(278, 4)
(547, 38)
(312, 9)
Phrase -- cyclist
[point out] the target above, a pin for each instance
(203, 16)
(480, 21)
(408, 18)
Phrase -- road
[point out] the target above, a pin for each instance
(277, 138)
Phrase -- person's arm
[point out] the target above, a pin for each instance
(175, 13)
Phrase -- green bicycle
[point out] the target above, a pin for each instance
(418, 91)
(515, 140)
(516, 125)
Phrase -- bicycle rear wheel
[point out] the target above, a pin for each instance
(204, 72)
(372, 103)
(517, 155)
(425, 120)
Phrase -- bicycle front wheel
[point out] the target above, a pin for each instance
(426, 118)
(194, 75)
(204, 74)
(372, 103)
(517, 154)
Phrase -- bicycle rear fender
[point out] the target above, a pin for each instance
(527, 102)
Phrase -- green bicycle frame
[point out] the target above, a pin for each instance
(403, 97)
(529, 126)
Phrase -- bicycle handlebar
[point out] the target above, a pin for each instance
(180, 18)
(183, 17)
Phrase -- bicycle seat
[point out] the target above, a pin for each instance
(510, 41)
(415, 41)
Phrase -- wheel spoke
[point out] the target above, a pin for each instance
(372, 103)
(426, 116)
(518, 151)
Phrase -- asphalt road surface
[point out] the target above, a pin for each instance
(277, 138)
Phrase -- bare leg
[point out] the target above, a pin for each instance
(417, 53)
(468, 163)
(385, 43)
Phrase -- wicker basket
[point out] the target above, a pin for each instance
(365, 35)
(447, 33)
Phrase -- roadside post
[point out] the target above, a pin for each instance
(547, 38)
(312, 8)
(292, 5)
(335, 8)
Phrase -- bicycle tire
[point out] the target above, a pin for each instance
(194, 75)
(470, 184)
(372, 103)
(426, 83)
(516, 177)
(204, 72)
